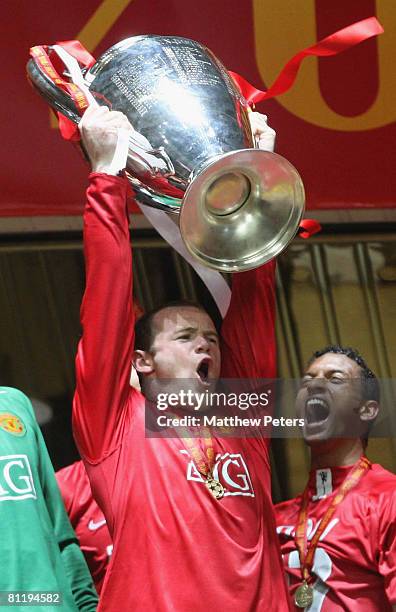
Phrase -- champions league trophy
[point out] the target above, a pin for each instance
(192, 151)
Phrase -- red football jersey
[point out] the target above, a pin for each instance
(87, 519)
(175, 546)
(355, 560)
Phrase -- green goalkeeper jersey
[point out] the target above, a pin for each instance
(39, 551)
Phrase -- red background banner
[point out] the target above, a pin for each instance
(337, 125)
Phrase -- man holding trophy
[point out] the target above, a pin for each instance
(191, 519)
(176, 544)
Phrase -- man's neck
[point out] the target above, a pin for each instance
(336, 453)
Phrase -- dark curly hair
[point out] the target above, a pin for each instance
(370, 386)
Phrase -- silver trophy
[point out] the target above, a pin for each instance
(192, 152)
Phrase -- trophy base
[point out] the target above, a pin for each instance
(241, 210)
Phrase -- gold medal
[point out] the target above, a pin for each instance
(215, 487)
(204, 459)
(303, 597)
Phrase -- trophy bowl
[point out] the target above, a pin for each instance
(192, 151)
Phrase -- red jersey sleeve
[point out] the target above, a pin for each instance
(387, 547)
(67, 484)
(248, 332)
(103, 363)
(75, 490)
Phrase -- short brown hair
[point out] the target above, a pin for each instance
(144, 327)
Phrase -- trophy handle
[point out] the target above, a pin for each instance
(72, 97)
(57, 98)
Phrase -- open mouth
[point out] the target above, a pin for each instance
(316, 411)
(203, 370)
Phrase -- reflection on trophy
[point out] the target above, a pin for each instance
(192, 152)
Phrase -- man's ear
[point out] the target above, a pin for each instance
(143, 362)
(369, 411)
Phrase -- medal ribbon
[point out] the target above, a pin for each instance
(40, 56)
(307, 556)
(204, 458)
(67, 128)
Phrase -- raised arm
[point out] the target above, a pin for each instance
(248, 331)
(103, 363)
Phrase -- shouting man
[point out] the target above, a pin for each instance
(179, 542)
(338, 539)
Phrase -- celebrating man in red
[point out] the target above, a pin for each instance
(191, 522)
(87, 520)
(84, 513)
(338, 539)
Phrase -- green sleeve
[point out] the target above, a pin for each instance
(84, 592)
(77, 571)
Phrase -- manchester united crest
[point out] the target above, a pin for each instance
(12, 424)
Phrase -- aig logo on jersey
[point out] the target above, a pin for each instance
(231, 470)
(16, 480)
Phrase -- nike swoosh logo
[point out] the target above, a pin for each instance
(94, 526)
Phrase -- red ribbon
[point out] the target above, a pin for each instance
(331, 45)
(80, 53)
(309, 227)
(67, 128)
(307, 552)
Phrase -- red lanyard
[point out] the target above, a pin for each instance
(307, 553)
(203, 458)
(202, 453)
